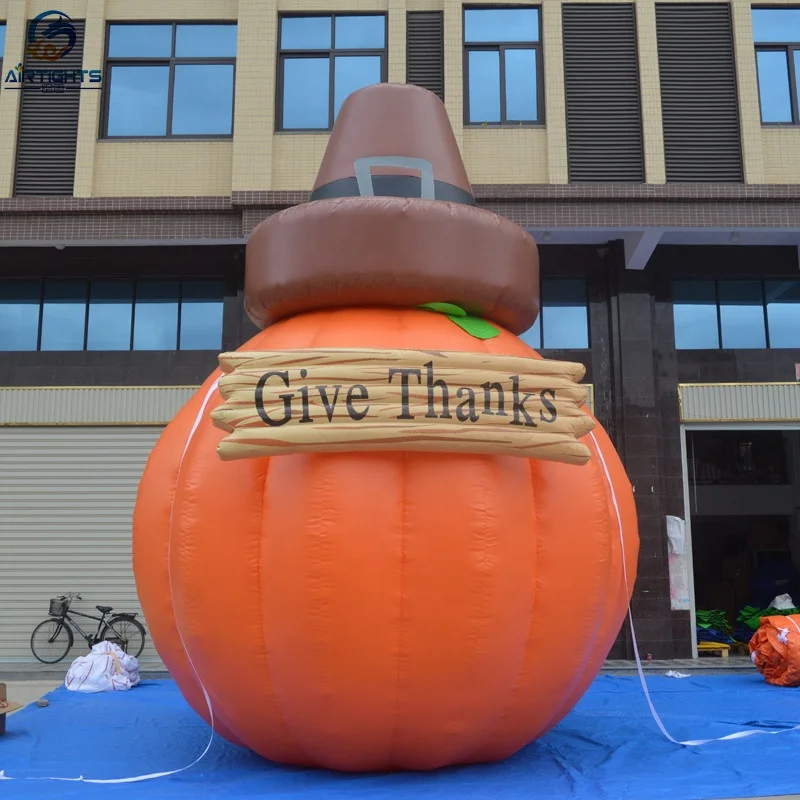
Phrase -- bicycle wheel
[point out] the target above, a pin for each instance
(126, 632)
(51, 640)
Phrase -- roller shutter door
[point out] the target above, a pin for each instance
(66, 500)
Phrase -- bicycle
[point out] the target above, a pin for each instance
(56, 633)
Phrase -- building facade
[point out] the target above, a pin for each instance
(651, 148)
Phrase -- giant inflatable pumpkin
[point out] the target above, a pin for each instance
(387, 603)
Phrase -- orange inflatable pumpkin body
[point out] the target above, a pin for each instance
(389, 610)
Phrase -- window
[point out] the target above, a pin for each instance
(736, 314)
(323, 59)
(78, 314)
(2, 40)
(563, 322)
(776, 33)
(171, 80)
(502, 66)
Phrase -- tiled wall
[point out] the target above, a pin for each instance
(781, 148)
(258, 159)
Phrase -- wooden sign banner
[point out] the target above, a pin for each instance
(343, 400)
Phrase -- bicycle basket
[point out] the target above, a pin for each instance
(58, 606)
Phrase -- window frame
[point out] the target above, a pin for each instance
(135, 281)
(738, 278)
(171, 61)
(788, 49)
(332, 52)
(500, 48)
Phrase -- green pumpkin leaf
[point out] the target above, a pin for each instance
(474, 326)
(477, 327)
(445, 308)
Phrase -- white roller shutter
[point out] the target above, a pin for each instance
(66, 500)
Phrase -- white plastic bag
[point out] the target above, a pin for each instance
(782, 602)
(106, 669)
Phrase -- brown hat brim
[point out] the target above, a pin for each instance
(391, 251)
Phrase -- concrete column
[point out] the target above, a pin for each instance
(650, 83)
(91, 101)
(454, 67)
(396, 10)
(254, 115)
(747, 82)
(10, 98)
(555, 108)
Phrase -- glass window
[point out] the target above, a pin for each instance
(153, 90)
(306, 33)
(358, 33)
(139, 41)
(352, 73)
(565, 316)
(110, 315)
(503, 65)
(773, 86)
(484, 86)
(63, 315)
(776, 25)
(351, 49)
(201, 315)
(306, 84)
(205, 41)
(2, 40)
(155, 320)
(501, 25)
(20, 303)
(202, 101)
(741, 309)
(694, 310)
(137, 106)
(521, 87)
(776, 33)
(783, 313)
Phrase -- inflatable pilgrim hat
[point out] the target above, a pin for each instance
(356, 543)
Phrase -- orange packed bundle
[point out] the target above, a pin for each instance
(775, 650)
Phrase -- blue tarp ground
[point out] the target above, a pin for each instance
(608, 747)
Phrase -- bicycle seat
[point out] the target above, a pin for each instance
(104, 609)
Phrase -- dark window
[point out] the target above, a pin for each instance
(323, 59)
(64, 315)
(563, 322)
(776, 33)
(736, 314)
(502, 66)
(111, 315)
(696, 315)
(741, 315)
(170, 80)
(155, 323)
(783, 313)
(20, 306)
(201, 316)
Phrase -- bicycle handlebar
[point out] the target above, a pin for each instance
(73, 596)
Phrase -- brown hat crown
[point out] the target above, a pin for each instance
(393, 140)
